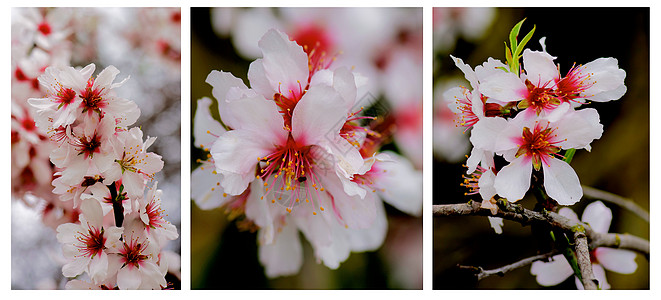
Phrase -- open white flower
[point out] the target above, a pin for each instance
(533, 143)
(85, 245)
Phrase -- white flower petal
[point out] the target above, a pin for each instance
(496, 223)
(540, 68)
(400, 185)
(553, 272)
(236, 153)
(486, 135)
(257, 210)
(93, 213)
(98, 268)
(317, 116)
(561, 182)
(285, 63)
(467, 70)
(579, 128)
(205, 188)
(598, 215)
(258, 80)
(371, 238)
(608, 79)
(283, 257)
(486, 185)
(106, 77)
(258, 115)
(568, 213)
(129, 278)
(617, 260)
(512, 181)
(75, 267)
(503, 86)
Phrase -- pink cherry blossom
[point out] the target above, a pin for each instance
(152, 215)
(85, 245)
(133, 165)
(542, 89)
(136, 258)
(534, 143)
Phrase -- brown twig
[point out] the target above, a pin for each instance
(628, 204)
(481, 273)
(517, 213)
(583, 259)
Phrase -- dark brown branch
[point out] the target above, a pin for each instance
(583, 259)
(628, 204)
(481, 273)
(517, 213)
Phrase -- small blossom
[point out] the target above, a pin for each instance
(85, 245)
(533, 143)
(599, 217)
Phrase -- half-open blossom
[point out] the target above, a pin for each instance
(153, 216)
(535, 143)
(85, 245)
(599, 217)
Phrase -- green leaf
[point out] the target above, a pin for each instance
(515, 33)
(523, 43)
(569, 155)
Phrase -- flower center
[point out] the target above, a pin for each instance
(472, 181)
(292, 169)
(571, 86)
(539, 98)
(155, 214)
(92, 242)
(64, 97)
(467, 117)
(131, 253)
(538, 144)
(89, 145)
(92, 100)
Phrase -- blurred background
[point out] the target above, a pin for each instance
(143, 43)
(383, 44)
(618, 163)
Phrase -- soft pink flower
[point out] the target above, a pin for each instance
(85, 245)
(533, 143)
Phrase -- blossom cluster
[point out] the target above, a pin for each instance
(526, 119)
(294, 152)
(103, 167)
(533, 117)
(75, 160)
